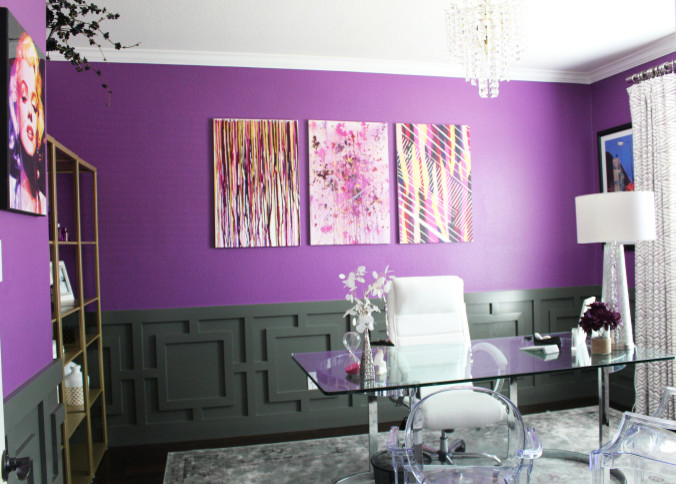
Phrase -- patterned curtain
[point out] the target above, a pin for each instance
(653, 115)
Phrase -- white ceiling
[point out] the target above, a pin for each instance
(566, 40)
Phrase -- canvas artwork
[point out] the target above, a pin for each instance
(23, 168)
(434, 176)
(349, 183)
(256, 183)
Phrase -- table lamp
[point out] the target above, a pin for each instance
(616, 218)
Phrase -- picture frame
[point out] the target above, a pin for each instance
(23, 161)
(65, 289)
(616, 159)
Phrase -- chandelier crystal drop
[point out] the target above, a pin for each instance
(486, 37)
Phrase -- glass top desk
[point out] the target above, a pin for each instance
(410, 368)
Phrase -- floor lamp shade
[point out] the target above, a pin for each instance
(616, 218)
(622, 217)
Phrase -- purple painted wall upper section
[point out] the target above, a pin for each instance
(531, 152)
(25, 319)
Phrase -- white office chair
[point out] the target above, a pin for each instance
(425, 311)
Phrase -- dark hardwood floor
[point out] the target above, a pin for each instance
(145, 464)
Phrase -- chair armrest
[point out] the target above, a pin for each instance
(534, 448)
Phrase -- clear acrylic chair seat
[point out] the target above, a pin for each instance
(506, 440)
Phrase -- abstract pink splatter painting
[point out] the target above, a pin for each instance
(349, 183)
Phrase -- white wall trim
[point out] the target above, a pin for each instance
(662, 47)
(207, 58)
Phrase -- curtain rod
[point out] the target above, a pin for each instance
(666, 68)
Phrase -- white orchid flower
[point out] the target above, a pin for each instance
(363, 308)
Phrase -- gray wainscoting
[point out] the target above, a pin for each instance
(216, 372)
(33, 421)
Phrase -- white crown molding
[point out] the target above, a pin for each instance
(207, 58)
(662, 47)
(271, 61)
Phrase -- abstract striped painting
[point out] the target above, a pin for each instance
(434, 176)
(349, 183)
(256, 183)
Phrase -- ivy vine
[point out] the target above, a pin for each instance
(68, 19)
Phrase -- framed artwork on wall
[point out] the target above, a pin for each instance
(349, 183)
(256, 183)
(434, 183)
(616, 159)
(23, 173)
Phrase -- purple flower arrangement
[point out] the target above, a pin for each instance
(598, 317)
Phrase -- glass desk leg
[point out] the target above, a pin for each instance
(513, 392)
(373, 427)
(367, 477)
(604, 404)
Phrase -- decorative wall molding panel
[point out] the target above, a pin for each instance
(216, 372)
(33, 422)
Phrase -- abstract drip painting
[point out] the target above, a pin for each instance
(256, 183)
(434, 175)
(349, 183)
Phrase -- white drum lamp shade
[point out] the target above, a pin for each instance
(616, 218)
(622, 217)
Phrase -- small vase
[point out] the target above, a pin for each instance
(366, 370)
(601, 343)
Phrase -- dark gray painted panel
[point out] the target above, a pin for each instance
(216, 372)
(33, 421)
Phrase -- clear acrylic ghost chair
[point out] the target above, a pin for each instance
(667, 401)
(427, 322)
(643, 449)
(506, 438)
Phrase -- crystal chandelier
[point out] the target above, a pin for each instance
(485, 36)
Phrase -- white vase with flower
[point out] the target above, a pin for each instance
(361, 313)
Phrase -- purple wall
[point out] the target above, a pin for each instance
(531, 152)
(25, 319)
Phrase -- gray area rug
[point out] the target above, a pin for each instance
(328, 460)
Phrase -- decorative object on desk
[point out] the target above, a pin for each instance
(351, 341)
(361, 312)
(598, 321)
(578, 347)
(539, 340)
(379, 361)
(616, 218)
(366, 370)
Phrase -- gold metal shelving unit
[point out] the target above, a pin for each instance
(77, 329)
